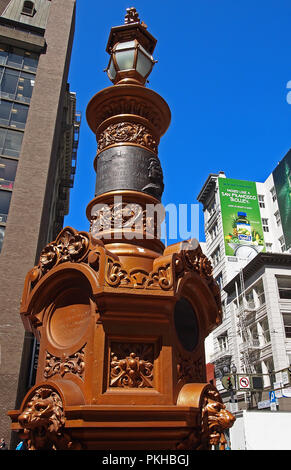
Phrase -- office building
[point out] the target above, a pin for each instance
(38, 144)
(248, 239)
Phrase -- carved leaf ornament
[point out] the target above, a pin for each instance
(124, 132)
(133, 370)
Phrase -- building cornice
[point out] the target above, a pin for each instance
(260, 261)
(208, 186)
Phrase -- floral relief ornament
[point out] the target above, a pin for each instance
(69, 246)
(127, 132)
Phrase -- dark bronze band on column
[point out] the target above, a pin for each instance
(128, 167)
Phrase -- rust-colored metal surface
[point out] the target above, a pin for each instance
(122, 320)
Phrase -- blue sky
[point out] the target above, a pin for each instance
(223, 68)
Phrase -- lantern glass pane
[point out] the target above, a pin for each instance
(125, 59)
(145, 52)
(144, 64)
(125, 45)
(111, 70)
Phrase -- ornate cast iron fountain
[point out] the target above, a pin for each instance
(121, 319)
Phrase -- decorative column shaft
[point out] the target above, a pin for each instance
(128, 120)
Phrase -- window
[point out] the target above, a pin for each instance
(284, 287)
(28, 8)
(287, 324)
(25, 87)
(30, 61)
(259, 293)
(13, 114)
(3, 54)
(278, 218)
(223, 342)
(14, 58)
(269, 363)
(223, 308)
(216, 256)
(258, 368)
(10, 142)
(255, 296)
(265, 330)
(269, 247)
(9, 81)
(18, 58)
(211, 208)
(213, 233)
(254, 337)
(2, 233)
(273, 194)
(261, 199)
(7, 172)
(265, 225)
(219, 280)
(282, 243)
(16, 85)
(250, 299)
(5, 198)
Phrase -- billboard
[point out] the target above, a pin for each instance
(282, 183)
(241, 218)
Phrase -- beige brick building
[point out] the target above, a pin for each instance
(38, 143)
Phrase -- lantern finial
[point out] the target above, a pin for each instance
(131, 16)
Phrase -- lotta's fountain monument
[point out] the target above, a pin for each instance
(121, 319)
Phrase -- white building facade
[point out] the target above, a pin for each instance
(255, 334)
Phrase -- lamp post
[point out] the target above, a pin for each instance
(121, 318)
(233, 390)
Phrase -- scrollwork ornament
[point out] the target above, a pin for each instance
(194, 259)
(134, 369)
(161, 278)
(189, 370)
(73, 364)
(116, 276)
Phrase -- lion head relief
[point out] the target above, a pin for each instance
(216, 418)
(42, 418)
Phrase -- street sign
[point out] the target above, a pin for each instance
(257, 382)
(272, 396)
(277, 389)
(264, 404)
(277, 385)
(286, 392)
(244, 382)
(285, 377)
